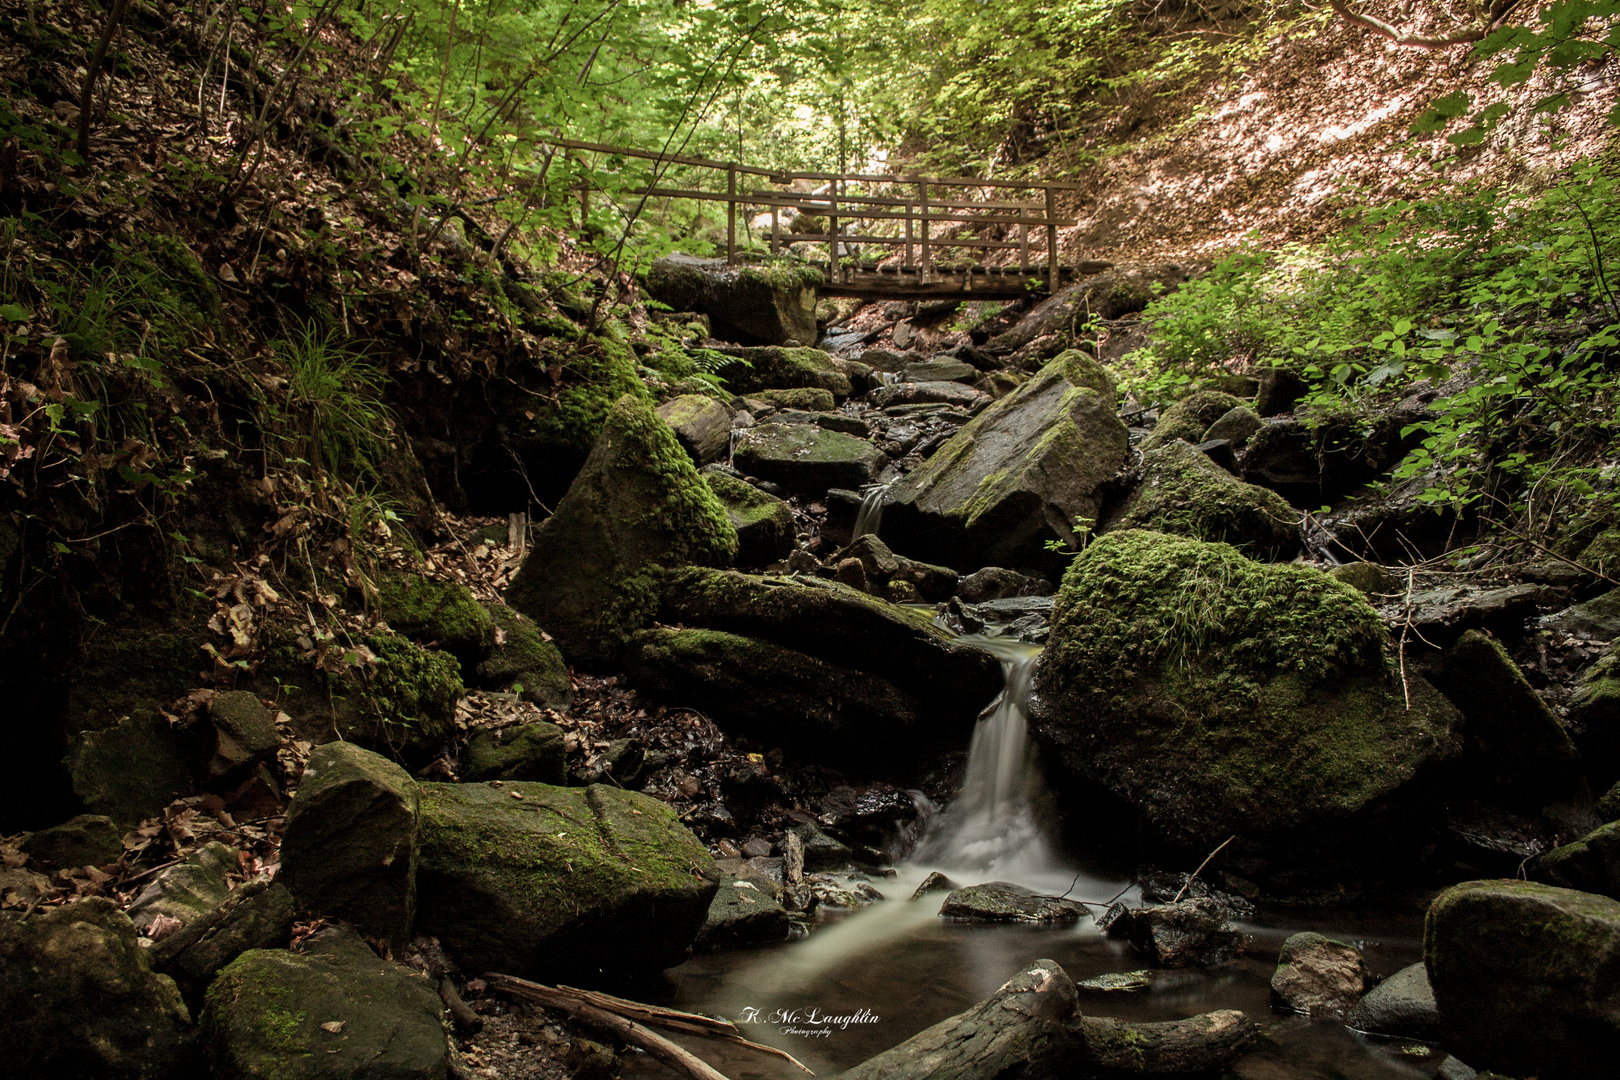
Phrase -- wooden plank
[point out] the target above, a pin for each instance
(885, 200)
(894, 241)
(1051, 241)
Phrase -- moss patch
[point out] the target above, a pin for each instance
(764, 523)
(444, 614)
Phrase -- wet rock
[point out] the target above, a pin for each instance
(1442, 614)
(850, 572)
(259, 914)
(524, 752)
(1016, 475)
(841, 892)
(86, 840)
(1402, 1006)
(873, 815)
(1235, 426)
(1367, 578)
(244, 732)
(1024, 618)
(804, 459)
(1121, 982)
(1183, 493)
(935, 882)
(1318, 976)
(549, 882)
(1189, 418)
(1187, 934)
(1590, 864)
(331, 1010)
(940, 370)
(80, 1000)
(637, 504)
(1525, 977)
(132, 771)
(997, 583)
(1001, 901)
(1596, 620)
(755, 305)
(764, 523)
(808, 399)
(1167, 888)
(524, 658)
(787, 369)
(1138, 692)
(819, 851)
(889, 360)
(1279, 389)
(701, 424)
(1110, 293)
(921, 393)
(350, 849)
(442, 614)
(188, 891)
(745, 909)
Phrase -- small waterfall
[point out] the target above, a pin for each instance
(991, 828)
(888, 378)
(870, 516)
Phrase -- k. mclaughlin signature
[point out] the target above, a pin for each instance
(811, 1022)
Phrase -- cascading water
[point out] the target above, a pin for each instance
(870, 515)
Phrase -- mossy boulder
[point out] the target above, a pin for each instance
(1190, 417)
(1016, 475)
(637, 505)
(1369, 579)
(1181, 491)
(807, 459)
(1526, 977)
(1590, 864)
(1218, 696)
(1594, 717)
(243, 732)
(259, 914)
(1235, 426)
(132, 771)
(441, 614)
(701, 424)
(86, 840)
(787, 369)
(522, 657)
(807, 398)
(522, 752)
(80, 1000)
(331, 1011)
(554, 882)
(756, 305)
(764, 523)
(350, 850)
(128, 669)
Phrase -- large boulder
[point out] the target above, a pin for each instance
(80, 1000)
(1526, 977)
(331, 1011)
(764, 523)
(1316, 460)
(1590, 864)
(1221, 696)
(701, 424)
(756, 305)
(443, 613)
(1402, 1006)
(133, 770)
(1181, 491)
(1318, 976)
(1016, 475)
(638, 504)
(350, 849)
(1190, 417)
(555, 882)
(807, 459)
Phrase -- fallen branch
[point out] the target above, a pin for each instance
(676, 1020)
(1200, 870)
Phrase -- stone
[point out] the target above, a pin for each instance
(1442, 614)
(940, 370)
(258, 914)
(350, 849)
(1590, 864)
(1189, 418)
(1367, 578)
(850, 572)
(890, 360)
(1119, 290)
(637, 505)
(806, 460)
(756, 305)
(1526, 977)
(1594, 719)
(1219, 696)
(244, 732)
(1001, 901)
(1235, 426)
(935, 882)
(81, 1002)
(998, 583)
(1318, 976)
(701, 424)
(787, 369)
(805, 398)
(1191, 933)
(1402, 1007)
(832, 421)
(331, 1011)
(1596, 620)
(1279, 389)
(86, 840)
(745, 909)
(525, 663)
(998, 384)
(1318, 460)
(1016, 475)
(552, 882)
(819, 851)
(532, 751)
(132, 771)
(187, 891)
(764, 524)
(442, 614)
(1183, 493)
(928, 393)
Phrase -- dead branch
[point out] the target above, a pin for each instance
(1487, 20)
(1200, 870)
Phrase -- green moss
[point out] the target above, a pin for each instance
(784, 276)
(443, 613)
(808, 398)
(1185, 493)
(1602, 555)
(1189, 418)
(183, 270)
(597, 372)
(785, 368)
(1083, 369)
(526, 658)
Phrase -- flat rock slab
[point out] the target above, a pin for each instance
(1001, 901)
(929, 393)
(806, 459)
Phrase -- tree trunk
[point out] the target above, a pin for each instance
(1191, 1047)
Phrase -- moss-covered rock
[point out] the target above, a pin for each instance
(523, 658)
(132, 771)
(122, 671)
(1016, 475)
(1369, 579)
(764, 305)
(701, 424)
(1590, 864)
(1183, 492)
(1222, 696)
(524, 752)
(808, 398)
(243, 732)
(806, 459)
(1602, 555)
(81, 1002)
(788, 369)
(188, 891)
(746, 909)
(637, 505)
(331, 1011)
(1526, 977)
(86, 840)
(259, 914)
(350, 849)
(1190, 417)
(442, 614)
(764, 523)
(1235, 426)
(1594, 716)
(558, 882)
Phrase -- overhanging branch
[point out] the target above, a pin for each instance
(1488, 20)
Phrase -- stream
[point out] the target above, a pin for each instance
(865, 981)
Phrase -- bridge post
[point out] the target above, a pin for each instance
(776, 227)
(908, 234)
(1051, 243)
(834, 271)
(731, 215)
(927, 256)
(1023, 243)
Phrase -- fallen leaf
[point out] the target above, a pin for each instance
(332, 1027)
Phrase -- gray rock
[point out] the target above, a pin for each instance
(1402, 1006)
(929, 393)
(350, 849)
(86, 840)
(806, 460)
(1235, 426)
(1318, 976)
(187, 891)
(938, 370)
(996, 583)
(1590, 864)
(1594, 719)
(259, 914)
(805, 400)
(1443, 613)
(746, 909)
(1190, 417)
(701, 424)
(1186, 934)
(764, 523)
(832, 421)
(132, 771)
(331, 1011)
(1596, 620)
(752, 304)
(531, 751)
(1001, 901)
(244, 732)
(80, 1000)
(822, 852)
(789, 369)
(889, 360)
(1110, 293)
(934, 883)
(1452, 1069)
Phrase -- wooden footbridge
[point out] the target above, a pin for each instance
(882, 237)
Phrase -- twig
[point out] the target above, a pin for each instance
(1405, 626)
(1186, 884)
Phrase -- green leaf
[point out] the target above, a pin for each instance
(13, 313)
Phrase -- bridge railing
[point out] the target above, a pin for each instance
(926, 213)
